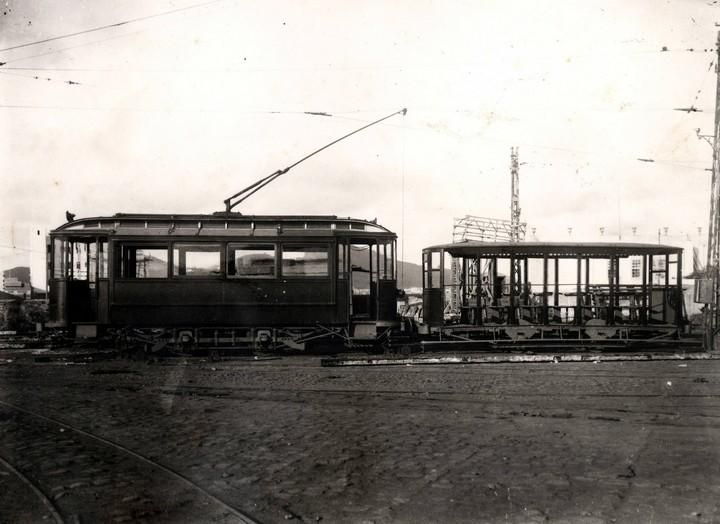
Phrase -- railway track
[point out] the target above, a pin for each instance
(251, 433)
(37, 492)
(69, 469)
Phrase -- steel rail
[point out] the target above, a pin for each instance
(45, 500)
(246, 519)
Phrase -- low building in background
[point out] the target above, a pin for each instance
(16, 281)
(10, 306)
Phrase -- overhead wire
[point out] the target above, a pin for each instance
(304, 68)
(63, 49)
(341, 115)
(538, 146)
(94, 42)
(109, 26)
(4, 68)
(37, 77)
(16, 248)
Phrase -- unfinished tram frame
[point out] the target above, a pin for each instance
(553, 292)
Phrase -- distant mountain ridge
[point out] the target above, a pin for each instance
(410, 275)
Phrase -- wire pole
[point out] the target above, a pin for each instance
(514, 195)
(711, 311)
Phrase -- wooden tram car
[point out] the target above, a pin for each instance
(553, 292)
(224, 280)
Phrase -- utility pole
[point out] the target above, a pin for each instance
(482, 229)
(515, 194)
(515, 277)
(711, 311)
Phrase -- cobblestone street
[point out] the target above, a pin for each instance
(285, 439)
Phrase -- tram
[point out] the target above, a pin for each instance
(224, 279)
(553, 292)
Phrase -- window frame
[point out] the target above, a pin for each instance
(120, 247)
(59, 261)
(327, 247)
(246, 245)
(209, 247)
(341, 261)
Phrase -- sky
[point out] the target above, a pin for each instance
(191, 101)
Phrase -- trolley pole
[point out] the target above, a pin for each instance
(711, 314)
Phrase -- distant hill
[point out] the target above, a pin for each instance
(22, 273)
(412, 275)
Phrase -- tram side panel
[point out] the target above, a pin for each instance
(158, 298)
(222, 302)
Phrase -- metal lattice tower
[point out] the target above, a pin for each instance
(482, 230)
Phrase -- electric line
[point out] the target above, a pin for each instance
(536, 146)
(331, 67)
(341, 115)
(36, 77)
(109, 26)
(159, 110)
(54, 51)
(16, 248)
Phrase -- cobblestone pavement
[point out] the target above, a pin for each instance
(287, 440)
(74, 475)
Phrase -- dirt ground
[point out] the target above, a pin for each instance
(284, 439)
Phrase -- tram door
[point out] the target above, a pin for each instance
(361, 281)
(80, 266)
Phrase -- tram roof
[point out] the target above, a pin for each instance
(124, 223)
(552, 249)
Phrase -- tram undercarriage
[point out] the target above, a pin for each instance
(215, 341)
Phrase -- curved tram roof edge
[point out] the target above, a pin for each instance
(569, 249)
(219, 220)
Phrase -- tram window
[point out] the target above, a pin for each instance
(658, 262)
(102, 259)
(59, 258)
(393, 260)
(341, 269)
(79, 258)
(92, 261)
(144, 262)
(196, 260)
(435, 259)
(435, 278)
(386, 263)
(305, 261)
(251, 260)
(435, 269)
(426, 270)
(360, 265)
(382, 262)
(447, 263)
